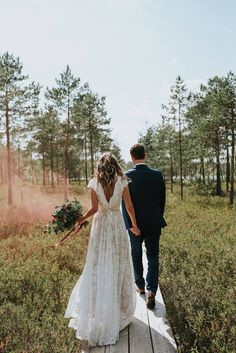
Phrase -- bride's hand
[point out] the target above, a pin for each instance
(135, 231)
(80, 220)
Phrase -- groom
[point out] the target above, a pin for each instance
(147, 191)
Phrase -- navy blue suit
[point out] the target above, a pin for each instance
(147, 191)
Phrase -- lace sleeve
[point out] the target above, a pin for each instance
(92, 184)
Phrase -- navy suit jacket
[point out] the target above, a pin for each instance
(148, 194)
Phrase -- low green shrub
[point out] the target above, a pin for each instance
(35, 285)
(198, 251)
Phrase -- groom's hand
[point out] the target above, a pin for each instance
(135, 231)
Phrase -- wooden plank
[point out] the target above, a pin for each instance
(121, 346)
(161, 333)
(86, 350)
(149, 332)
(96, 350)
(139, 333)
(162, 337)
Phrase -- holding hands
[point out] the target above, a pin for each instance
(135, 230)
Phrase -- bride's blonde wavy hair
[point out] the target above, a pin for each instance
(107, 169)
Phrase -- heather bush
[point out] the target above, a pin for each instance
(198, 251)
(35, 285)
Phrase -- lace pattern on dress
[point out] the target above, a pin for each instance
(103, 300)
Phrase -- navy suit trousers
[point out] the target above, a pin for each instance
(151, 241)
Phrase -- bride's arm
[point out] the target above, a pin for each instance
(130, 209)
(92, 209)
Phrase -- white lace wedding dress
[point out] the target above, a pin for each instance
(103, 300)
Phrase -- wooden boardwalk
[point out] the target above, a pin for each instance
(149, 332)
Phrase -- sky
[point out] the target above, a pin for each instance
(131, 51)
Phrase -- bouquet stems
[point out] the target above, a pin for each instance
(75, 230)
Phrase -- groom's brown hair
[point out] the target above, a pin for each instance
(137, 151)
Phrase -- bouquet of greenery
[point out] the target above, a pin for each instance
(64, 219)
(65, 216)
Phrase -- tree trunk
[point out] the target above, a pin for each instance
(231, 200)
(218, 179)
(203, 170)
(227, 167)
(171, 173)
(164, 171)
(85, 160)
(52, 164)
(91, 147)
(47, 176)
(18, 164)
(57, 162)
(13, 166)
(180, 156)
(44, 172)
(9, 156)
(79, 173)
(66, 171)
(66, 174)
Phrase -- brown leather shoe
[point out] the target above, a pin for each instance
(141, 291)
(150, 300)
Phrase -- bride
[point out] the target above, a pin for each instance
(103, 300)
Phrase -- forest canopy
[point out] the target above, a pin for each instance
(54, 135)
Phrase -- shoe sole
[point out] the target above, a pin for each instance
(151, 305)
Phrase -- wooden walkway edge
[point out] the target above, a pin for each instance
(149, 332)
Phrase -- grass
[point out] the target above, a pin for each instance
(197, 279)
(36, 282)
(198, 251)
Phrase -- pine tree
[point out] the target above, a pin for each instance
(17, 100)
(62, 97)
(115, 149)
(91, 121)
(178, 101)
(227, 103)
